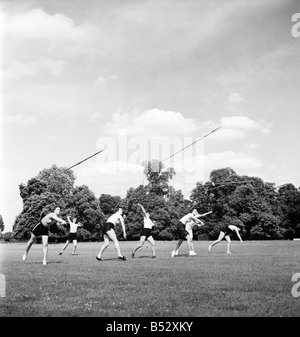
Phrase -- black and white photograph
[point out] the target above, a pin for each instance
(150, 161)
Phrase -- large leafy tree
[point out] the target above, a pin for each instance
(158, 177)
(1, 224)
(52, 187)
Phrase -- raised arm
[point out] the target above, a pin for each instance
(143, 209)
(69, 220)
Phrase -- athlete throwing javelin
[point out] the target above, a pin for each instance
(72, 236)
(184, 234)
(42, 229)
(109, 233)
(146, 233)
(226, 231)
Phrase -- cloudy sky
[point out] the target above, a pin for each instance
(141, 79)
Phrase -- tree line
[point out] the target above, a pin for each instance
(262, 210)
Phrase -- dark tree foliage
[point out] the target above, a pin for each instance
(1, 224)
(261, 210)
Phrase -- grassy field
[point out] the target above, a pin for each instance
(255, 281)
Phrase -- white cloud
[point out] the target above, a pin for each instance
(101, 81)
(37, 24)
(20, 119)
(17, 70)
(151, 123)
(235, 97)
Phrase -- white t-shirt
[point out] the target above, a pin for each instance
(148, 223)
(186, 218)
(73, 227)
(115, 218)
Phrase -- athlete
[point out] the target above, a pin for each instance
(189, 228)
(184, 234)
(226, 232)
(72, 236)
(109, 233)
(146, 233)
(42, 229)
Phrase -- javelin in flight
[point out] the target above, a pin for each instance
(193, 143)
(85, 159)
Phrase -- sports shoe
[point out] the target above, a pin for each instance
(173, 253)
(176, 252)
(209, 247)
(153, 257)
(191, 253)
(60, 253)
(44, 263)
(24, 256)
(132, 254)
(122, 258)
(98, 258)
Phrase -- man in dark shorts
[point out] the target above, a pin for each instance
(109, 233)
(225, 232)
(42, 229)
(72, 236)
(146, 233)
(183, 234)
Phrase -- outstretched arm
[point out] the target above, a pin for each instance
(123, 226)
(143, 209)
(55, 217)
(204, 214)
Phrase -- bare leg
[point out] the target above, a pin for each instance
(64, 247)
(45, 248)
(104, 246)
(113, 237)
(220, 238)
(28, 246)
(152, 242)
(178, 244)
(75, 246)
(141, 243)
(227, 237)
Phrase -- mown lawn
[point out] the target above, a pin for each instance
(255, 281)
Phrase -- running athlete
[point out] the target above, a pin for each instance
(186, 233)
(42, 229)
(109, 233)
(225, 233)
(72, 236)
(146, 233)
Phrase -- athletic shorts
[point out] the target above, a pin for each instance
(226, 230)
(40, 230)
(72, 236)
(107, 227)
(146, 232)
(181, 231)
